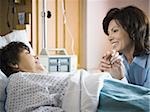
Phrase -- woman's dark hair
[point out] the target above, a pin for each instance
(135, 23)
(9, 55)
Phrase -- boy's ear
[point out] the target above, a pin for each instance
(15, 66)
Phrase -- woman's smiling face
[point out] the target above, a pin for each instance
(118, 37)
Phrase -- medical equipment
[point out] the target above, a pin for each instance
(59, 61)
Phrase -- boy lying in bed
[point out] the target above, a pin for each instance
(25, 91)
(30, 89)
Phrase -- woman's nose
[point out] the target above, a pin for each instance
(110, 37)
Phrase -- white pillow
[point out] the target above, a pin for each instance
(3, 41)
(19, 35)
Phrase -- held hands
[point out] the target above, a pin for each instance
(112, 63)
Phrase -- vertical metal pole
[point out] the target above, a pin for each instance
(44, 30)
(44, 26)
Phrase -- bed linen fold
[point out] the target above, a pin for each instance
(82, 94)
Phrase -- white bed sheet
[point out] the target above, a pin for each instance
(83, 91)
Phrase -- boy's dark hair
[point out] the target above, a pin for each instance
(135, 23)
(9, 55)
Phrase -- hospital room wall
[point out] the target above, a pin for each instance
(96, 41)
(3, 17)
(9, 10)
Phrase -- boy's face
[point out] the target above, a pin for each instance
(29, 63)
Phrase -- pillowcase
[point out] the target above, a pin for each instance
(19, 35)
(3, 41)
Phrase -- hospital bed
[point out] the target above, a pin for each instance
(90, 92)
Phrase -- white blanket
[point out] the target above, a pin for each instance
(83, 91)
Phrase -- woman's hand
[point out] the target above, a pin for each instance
(112, 63)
